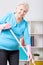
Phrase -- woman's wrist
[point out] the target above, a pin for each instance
(1, 26)
(28, 48)
(5, 26)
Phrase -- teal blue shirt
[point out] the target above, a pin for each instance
(7, 40)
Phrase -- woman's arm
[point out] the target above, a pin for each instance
(27, 40)
(5, 26)
(29, 53)
(5, 21)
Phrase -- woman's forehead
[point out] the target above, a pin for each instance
(22, 7)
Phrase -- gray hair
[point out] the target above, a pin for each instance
(24, 4)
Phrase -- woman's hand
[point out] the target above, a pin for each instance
(30, 56)
(28, 47)
(5, 26)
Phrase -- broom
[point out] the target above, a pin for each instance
(20, 44)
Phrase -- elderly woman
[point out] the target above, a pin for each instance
(9, 47)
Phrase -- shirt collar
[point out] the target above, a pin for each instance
(15, 23)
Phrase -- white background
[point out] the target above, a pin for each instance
(35, 8)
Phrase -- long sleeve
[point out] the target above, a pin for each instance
(6, 21)
(5, 18)
(27, 38)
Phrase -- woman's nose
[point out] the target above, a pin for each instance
(22, 13)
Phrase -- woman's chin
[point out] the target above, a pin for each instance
(20, 16)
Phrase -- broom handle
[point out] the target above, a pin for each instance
(19, 42)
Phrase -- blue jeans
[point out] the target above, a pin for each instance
(11, 56)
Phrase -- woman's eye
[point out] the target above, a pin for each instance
(24, 11)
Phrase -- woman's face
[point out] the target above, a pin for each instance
(21, 11)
